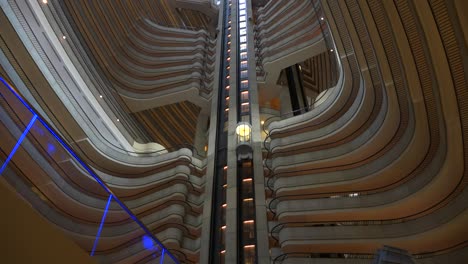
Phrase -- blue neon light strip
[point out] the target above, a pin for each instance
(88, 169)
(162, 256)
(101, 225)
(18, 143)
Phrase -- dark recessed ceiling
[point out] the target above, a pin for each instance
(171, 125)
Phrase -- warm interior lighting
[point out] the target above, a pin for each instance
(249, 246)
(247, 180)
(223, 227)
(248, 221)
(224, 205)
(44, 1)
(248, 199)
(262, 122)
(243, 131)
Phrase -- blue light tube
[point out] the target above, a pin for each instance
(18, 143)
(162, 256)
(101, 225)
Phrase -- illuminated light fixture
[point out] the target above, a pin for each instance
(248, 221)
(262, 122)
(322, 18)
(223, 251)
(100, 96)
(249, 246)
(44, 1)
(248, 199)
(64, 37)
(118, 120)
(331, 50)
(223, 227)
(247, 180)
(243, 131)
(224, 205)
(225, 167)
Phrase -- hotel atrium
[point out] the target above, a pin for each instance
(234, 131)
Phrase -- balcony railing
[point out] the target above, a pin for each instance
(49, 175)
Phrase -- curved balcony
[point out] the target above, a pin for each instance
(402, 179)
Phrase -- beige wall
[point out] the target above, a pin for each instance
(28, 238)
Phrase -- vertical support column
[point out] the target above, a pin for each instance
(208, 210)
(261, 223)
(221, 208)
(232, 186)
(200, 141)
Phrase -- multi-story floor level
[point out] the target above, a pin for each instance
(233, 131)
